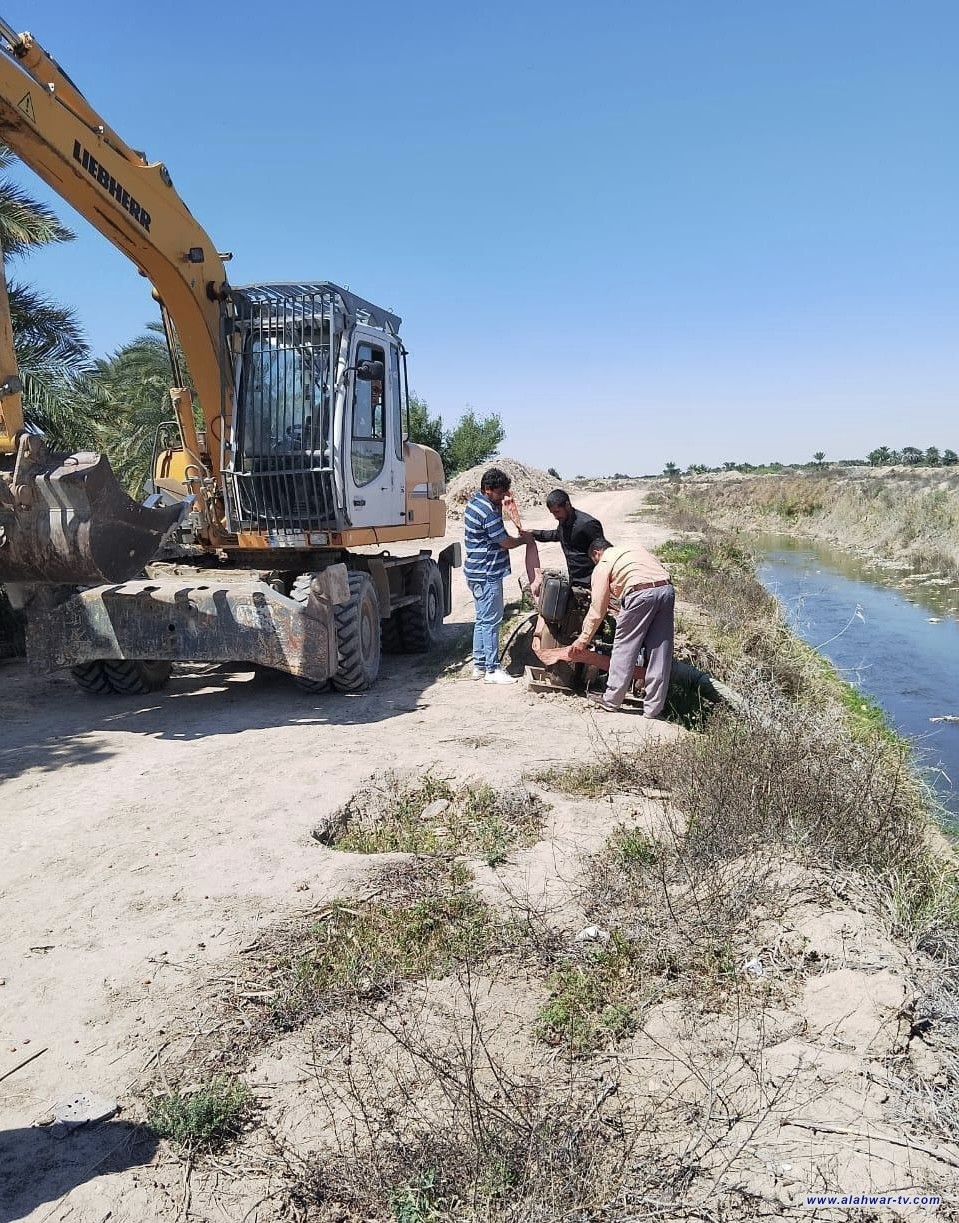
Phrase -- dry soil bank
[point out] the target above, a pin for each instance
(898, 516)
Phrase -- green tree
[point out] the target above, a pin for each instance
(472, 441)
(910, 454)
(128, 396)
(949, 458)
(425, 429)
(671, 471)
(880, 457)
(932, 457)
(54, 359)
(51, 350)
(819, 458)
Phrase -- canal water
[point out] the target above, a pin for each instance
(895, 636)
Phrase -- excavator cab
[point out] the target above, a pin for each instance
(316, 446)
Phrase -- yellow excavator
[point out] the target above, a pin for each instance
(266, 534)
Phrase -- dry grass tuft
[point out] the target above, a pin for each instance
(425, 814)
(432, 922)
(203, 1117)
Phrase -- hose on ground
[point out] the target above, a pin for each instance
(522, 624)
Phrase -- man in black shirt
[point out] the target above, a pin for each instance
(575, 532)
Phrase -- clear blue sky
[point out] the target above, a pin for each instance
(640, 231)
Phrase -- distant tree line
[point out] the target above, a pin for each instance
(882, 456)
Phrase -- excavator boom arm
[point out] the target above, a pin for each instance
(51, 126)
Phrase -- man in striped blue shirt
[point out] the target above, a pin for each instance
(486, 565)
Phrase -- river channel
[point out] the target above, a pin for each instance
(893, 635)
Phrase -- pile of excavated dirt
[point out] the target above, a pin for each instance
(530, 486)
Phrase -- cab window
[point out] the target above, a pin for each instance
(368, 449)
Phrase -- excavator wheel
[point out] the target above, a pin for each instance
(358, 636)
(121, 676)
(300, 592)
(92, 679)
(136, 677)
(422, 621)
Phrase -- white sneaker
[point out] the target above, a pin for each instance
(500, 677)
(478, 673)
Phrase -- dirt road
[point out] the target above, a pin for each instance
(146, 839)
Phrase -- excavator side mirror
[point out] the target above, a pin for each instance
(371, 371)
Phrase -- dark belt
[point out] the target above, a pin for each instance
(646, 586)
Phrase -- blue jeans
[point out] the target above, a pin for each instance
(488, 597)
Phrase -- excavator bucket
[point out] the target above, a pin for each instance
(65, 519)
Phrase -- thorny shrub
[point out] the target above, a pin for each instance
(428, 1117)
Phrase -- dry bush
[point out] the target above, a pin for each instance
(788, 777)
(432, 921)
(716, 572)
(929, 1090)
(421, 919)
(425, 1118)
(761, 812)
(429, 1122)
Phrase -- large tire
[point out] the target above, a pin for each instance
(92, 679)
(135, 676)
(121, 676)
(358, 636)
(422, 621)
(300, 592)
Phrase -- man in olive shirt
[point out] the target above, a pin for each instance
(646, 598)
(576, 531)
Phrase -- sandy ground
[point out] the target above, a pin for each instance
(145, 840)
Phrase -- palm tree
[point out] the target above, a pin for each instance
(819, 458)
(127, 397)
(51, 350)
(53, 356)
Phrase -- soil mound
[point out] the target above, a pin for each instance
(530, 486)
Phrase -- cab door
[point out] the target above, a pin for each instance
(374, 470)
